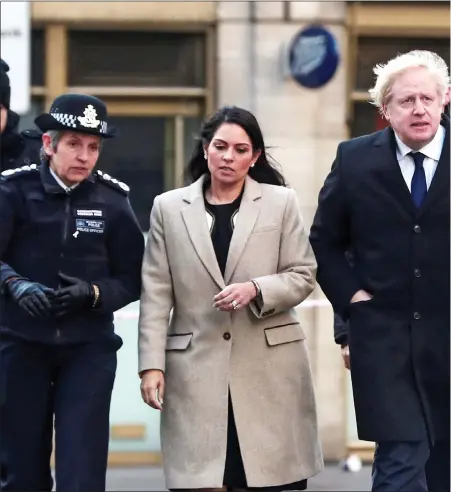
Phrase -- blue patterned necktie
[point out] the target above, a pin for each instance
(418, 186)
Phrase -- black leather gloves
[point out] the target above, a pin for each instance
(78, 294)
(40, 301)
(36, 299)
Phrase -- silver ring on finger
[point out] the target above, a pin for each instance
(234, 304)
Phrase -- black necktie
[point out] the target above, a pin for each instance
(418, 186)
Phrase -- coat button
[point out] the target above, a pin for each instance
(416, 315)
(226, 336)
(417, 272)
(417, 229)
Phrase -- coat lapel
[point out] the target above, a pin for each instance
(247, 215)
(194, 216)
(388, 170)
(440, 182)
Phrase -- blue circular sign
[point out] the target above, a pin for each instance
(313, 57)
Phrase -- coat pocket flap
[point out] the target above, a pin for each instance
(266, 228)
(178, 342)
(277, 335)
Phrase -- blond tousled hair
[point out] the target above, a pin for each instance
(387, 73)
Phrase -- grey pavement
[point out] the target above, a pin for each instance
(152, 479)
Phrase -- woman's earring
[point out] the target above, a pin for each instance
(252, 165)
(205, 156)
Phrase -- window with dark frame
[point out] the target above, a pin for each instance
(136, 58)
(122, 58)
(38, 57)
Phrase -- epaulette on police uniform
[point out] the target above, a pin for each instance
(112, 182)
(19, 171)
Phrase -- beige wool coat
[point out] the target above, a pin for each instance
(260, 353)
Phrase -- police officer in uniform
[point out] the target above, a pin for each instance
(71, 252)
(17, 149)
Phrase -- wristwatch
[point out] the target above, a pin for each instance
(96, 295)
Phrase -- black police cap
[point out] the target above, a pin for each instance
(77, 113)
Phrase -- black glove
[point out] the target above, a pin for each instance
(78, 294)
(33, 297)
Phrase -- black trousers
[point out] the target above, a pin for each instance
(411, 467)
(65, 387)
(234, 474)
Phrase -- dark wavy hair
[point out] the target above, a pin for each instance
(264, 170)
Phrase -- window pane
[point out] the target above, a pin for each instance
(37, 57)
(373, 50)
(137, 157)
(367, 119)
(136, 58)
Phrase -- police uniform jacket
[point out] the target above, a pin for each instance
(400, 339)
(90, 232)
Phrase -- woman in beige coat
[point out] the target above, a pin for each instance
(227, 261)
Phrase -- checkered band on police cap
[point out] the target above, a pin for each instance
(70, 121)
(66, 119)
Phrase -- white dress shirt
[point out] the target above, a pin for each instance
(58, 180)
(432, 152)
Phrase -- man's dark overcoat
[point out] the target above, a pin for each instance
(400, 339)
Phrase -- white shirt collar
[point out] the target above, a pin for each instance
(58, 180)
(432, 150)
